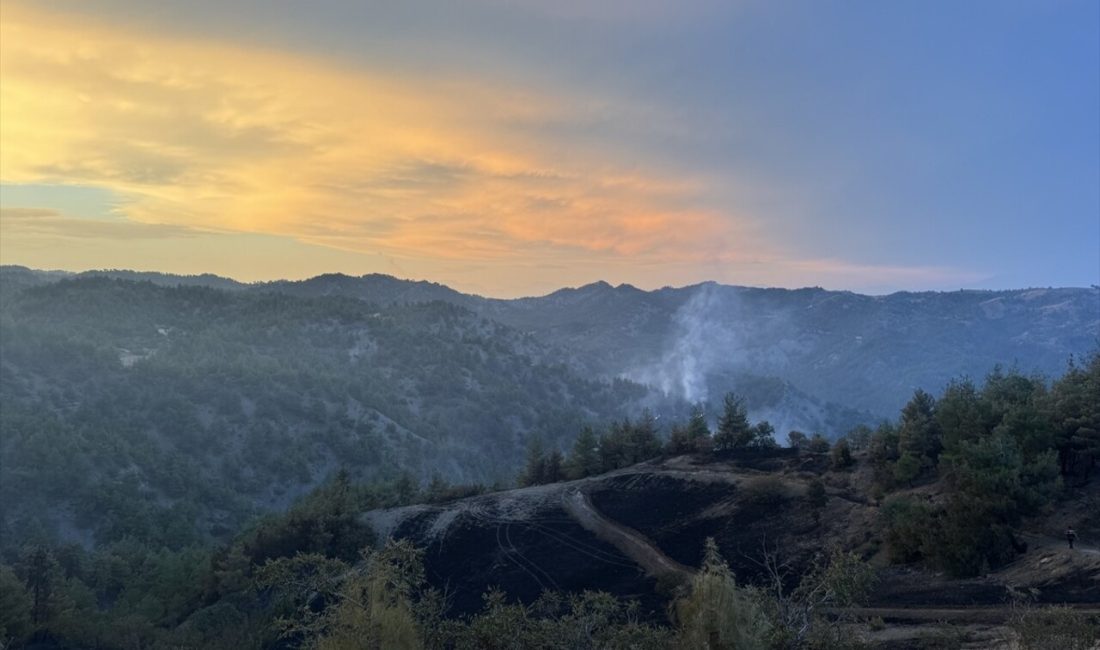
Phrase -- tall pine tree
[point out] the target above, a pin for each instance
(734, 430)
(584, 459)
(919, 435)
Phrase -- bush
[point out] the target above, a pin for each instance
(1055, 628)
(841, 457)
(906, 524)
(765, 491)
(818, 444)
(718, 613)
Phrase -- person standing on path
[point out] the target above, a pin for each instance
(1071, 535)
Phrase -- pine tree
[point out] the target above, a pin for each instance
(883, 453)
(697, 428)
(42, 575)
(919, 434)
(734, 431)
(643, 440)
(679, 441)
(15, 607)
(763, 436)
(1075, 409)
(584, 460)
(554, 470)
(437, 488)
(534, 471)
(961, 415)
(908, 468)
(614, 451)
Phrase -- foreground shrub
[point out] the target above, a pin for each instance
(1055, 628)
(719, 614)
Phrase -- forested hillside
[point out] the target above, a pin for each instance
(806, 359)
(836, 356)
(863, 352)
(132, 409)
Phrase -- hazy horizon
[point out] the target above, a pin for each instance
(580, 285)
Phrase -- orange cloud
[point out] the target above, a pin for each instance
(341, 167)
(218, 137)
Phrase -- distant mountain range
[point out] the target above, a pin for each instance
(806, 358)
(867, 353)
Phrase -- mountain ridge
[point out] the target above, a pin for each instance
(859, 351)
(165, 276)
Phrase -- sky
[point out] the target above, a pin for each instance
(511, 148)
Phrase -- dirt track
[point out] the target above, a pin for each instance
(942, 614)
(630, 542)
(1044, 541)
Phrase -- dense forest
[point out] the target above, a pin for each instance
(172, 415)
(956, 477)
(807, 359)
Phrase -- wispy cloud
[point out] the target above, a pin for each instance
(207, 135)
(16, 222)
(204, 136)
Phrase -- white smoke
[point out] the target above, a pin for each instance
(699, 343)
(719, 342)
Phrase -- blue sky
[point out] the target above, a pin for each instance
(861, 145)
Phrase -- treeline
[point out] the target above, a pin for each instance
(1000, 452)
(627, 442)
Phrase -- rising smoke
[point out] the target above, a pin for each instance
(700, 342)
(713, 347)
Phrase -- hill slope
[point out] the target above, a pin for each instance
(843, 352)
(809, 359)
(629, 531)
(121, 397)
(864, 352)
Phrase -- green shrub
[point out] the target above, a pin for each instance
(1055, 628)
(719, 614)
(906, 523)
(765, 491)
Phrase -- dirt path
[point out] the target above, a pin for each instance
(630, 542)
(1043, 541)
(997, 614)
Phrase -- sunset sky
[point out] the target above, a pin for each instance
(510, 148)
